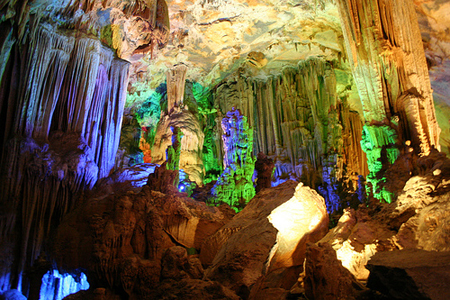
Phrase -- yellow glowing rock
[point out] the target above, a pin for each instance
(302, 218)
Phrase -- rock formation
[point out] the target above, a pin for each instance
(179, 125)
(337, 96)
(253, 253)
(264, 169)
(235, 186)
(391, 74)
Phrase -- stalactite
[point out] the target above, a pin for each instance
(66, 121)
(384, 47)
(299, 121)
(176, 78)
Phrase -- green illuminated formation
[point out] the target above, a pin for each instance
(206, 115)
(149, 113)
(378, 142)
(235, 185)
(173, 151)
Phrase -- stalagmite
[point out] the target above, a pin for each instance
(178, 120)
(234, 186)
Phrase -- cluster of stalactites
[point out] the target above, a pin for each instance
(390, 69)
(299, 121)
(128, 27)
(235, 185)
(63, 114)
(384, 47)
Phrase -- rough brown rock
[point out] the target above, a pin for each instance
(325, 277)
(177, 265)
(357, 237)
(188, 289)
(250, 249)
(264, 168)
(163, 180)
(121, 239)
(411, 274)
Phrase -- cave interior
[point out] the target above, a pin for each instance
(224, 149)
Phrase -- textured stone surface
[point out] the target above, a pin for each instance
(325, 277)
(418, 219)
(250, 248)
(411, 274)
(123, 239)
(264, 170)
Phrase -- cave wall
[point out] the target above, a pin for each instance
(63, 84)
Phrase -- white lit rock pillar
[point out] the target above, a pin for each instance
(176, 77)
(384, 47)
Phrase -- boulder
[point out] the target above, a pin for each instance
(325, 277)
(121, 239)
(266, 239)
(358, 235)
(411, 274)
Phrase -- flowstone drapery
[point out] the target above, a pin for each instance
(384, 47)
(298, 120)
(235, 185)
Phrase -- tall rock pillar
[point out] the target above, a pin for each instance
(176, 78)
(178, 123)
(385, 51)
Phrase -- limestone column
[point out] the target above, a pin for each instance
(180, 125)
(176, 78)
(384, 47)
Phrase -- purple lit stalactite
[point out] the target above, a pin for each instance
(235, 185)
(66, 115)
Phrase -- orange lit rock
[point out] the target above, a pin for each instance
(303, 217)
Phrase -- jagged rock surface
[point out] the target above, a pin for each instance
(417, 220)
(264, 170)
(246, 251)
(411, 274)
(325, 277)
(122, 240)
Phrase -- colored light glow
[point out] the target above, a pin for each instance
(56, 286)
(235, 186)
(379, 143)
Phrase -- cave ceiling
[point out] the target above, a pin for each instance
(214, 38)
